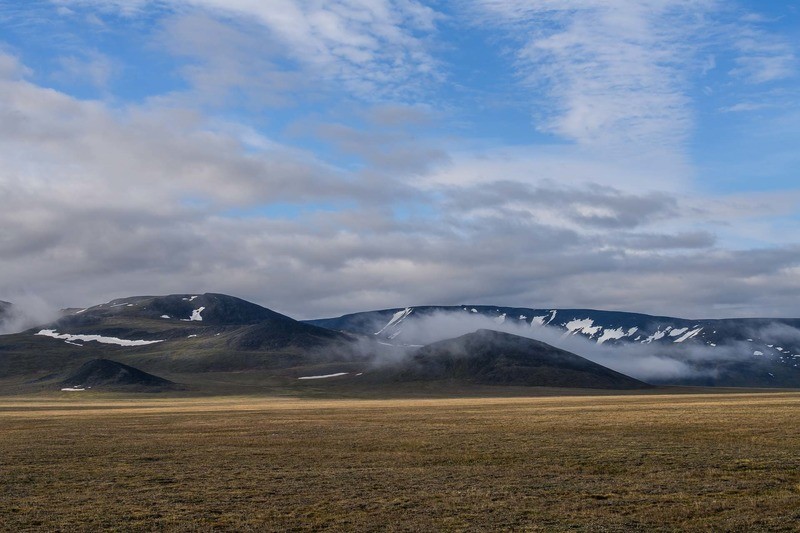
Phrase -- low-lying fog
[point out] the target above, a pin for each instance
(648, 362)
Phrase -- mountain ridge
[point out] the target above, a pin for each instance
(714, 352)
(196, 334)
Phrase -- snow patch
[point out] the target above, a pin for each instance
(758, 352)
(538, 321)
(688, 335)
(97, 338)
(500, 319)
(195, 315)
(165, 316)
(325, 376)
(657, 336)
(396, 319)
(582, 325)
(610, 334)
(679, 331)
(72, 389)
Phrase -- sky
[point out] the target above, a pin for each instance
(320, 157)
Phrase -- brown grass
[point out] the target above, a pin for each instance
(612, 463)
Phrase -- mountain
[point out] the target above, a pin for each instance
(174, 334)
(742, 352)
(104, 373)
(242, 324)
(206, 340)
(488, 357)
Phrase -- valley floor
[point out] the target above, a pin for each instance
(592, 463)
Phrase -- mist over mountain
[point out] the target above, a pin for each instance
(669, 350)
(26, 312)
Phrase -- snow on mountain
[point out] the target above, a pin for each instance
(73, 339)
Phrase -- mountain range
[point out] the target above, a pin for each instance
(738, 352)
(210, 342)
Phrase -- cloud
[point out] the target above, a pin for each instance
(575, 166)
(81, 153)
(299, 162)
(107, 202)
(395, 150)
(27, 311)
(229, 63)
(95, 70)
(747, 106)
(592, 206)
(11, 68)
(762, 57)
(371, 47)
(615, 72)
(621, 74)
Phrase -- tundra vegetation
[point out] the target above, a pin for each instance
(648, 462)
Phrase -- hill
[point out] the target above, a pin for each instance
(107, 374)
(489, 357)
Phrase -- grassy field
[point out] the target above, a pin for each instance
(727, 462)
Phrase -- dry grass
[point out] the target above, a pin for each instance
(611, 463)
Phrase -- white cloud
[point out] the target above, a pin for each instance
(370, 46)
(657, 169)
(762, 56)
(11, 68)
(95, 69)
(615, 71)
(109, 199)
(743, 107)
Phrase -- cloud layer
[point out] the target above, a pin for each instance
(313, 157)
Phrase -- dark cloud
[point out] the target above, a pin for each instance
(591, 205)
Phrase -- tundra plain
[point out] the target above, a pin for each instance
(652, 462)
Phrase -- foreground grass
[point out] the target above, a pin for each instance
(722, 462)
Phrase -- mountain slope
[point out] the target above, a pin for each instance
(489, 357)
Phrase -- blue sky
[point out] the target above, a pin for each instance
(322, 157)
